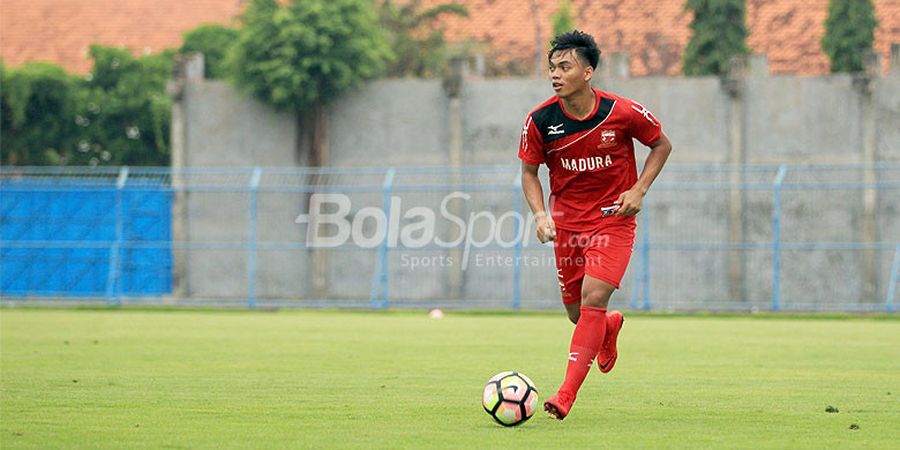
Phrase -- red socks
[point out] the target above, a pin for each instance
(586, 341)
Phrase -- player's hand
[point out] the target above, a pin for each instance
(546, 229)
(629, 202)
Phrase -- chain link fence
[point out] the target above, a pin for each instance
(710, 237)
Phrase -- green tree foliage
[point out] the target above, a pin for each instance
(124, 112)
(213, 41)
(849, 32)
(309, 51)
(38, 109)
(562, 19)
(118, 114)
(419, 46)
(719, 34)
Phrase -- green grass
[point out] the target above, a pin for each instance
(324, 379)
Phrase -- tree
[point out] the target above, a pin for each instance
(117, 114)
(38, 108)
(419, 46)
(123, 110)
(296, 57)
(213, 41)
(562, 18)
(849, 33)
(292, 56)
(719, 34)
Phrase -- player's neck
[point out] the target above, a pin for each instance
(580, 104)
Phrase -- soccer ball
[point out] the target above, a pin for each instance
(510, 398)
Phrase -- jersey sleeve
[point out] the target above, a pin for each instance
(645, 127)
(531, 147)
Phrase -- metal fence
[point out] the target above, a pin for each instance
(710, 237)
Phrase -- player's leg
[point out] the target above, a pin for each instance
(607, 264)
(609, 351)
(569, 271)
(573, 310)
(590, 324)
(606, 357)
(596, 292)
(587, 338)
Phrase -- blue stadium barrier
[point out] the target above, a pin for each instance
(77, 238)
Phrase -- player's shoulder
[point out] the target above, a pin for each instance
(620, 100)
(626, 106)
(546, 110)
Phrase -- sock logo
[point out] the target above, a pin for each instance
(573, 356)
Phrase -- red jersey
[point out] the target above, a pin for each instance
(591, 161)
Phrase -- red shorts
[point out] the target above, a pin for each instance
(602, 253)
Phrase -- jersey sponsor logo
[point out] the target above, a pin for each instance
(642, 110)
(586, 164)
(555, 129)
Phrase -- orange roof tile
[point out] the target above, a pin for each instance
(787, 31)
(61, 31)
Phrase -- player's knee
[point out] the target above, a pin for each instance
(573, 316)
(596, 297)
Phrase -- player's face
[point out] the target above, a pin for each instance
(568, 74)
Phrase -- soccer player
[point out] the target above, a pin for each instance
(584, 136)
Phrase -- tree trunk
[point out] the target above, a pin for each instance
(315, 127)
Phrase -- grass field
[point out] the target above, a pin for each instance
(319, 379)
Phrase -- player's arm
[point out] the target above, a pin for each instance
(531, 152)
(534, 194)
(630, 201)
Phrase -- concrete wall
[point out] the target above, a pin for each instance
(396, 123)
(404, 122)
(226, 129)
(803, 120)
(390, 123)
(887, 113)
(216, 127)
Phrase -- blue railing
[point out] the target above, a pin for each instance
(241, 245)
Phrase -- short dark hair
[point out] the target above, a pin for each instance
(584, 44)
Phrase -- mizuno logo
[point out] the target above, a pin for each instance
(555, 129)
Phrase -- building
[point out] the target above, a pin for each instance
(506, 31)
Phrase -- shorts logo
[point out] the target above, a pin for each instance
(555, 129)
(607, 138)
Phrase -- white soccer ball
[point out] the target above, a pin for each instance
(510, 398)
